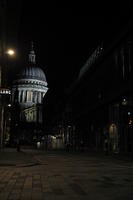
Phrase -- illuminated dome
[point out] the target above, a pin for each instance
(32, 72)
(31, 83)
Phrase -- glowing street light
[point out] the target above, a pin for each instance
(10, 52)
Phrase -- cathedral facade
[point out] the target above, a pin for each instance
(28, 91)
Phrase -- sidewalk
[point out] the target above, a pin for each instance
(64, 175)
(10, 157)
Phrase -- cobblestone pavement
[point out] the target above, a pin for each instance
(61, 176)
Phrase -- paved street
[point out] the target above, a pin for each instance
(63, 176)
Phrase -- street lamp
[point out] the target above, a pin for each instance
(10, 52)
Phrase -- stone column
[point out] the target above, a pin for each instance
(40, 99)
(26, 97)
(23, 96)
(31, 96)
(35, 97)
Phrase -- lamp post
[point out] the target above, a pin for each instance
(4, 95)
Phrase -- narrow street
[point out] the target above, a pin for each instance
(61, 175)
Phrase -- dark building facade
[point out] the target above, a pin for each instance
(9, 24)
(99, 103)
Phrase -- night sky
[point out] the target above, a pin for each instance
(65, 35)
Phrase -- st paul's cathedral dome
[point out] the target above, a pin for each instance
(30, 87)
(33, 72)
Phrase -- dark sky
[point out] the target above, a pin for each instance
(66, 34)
